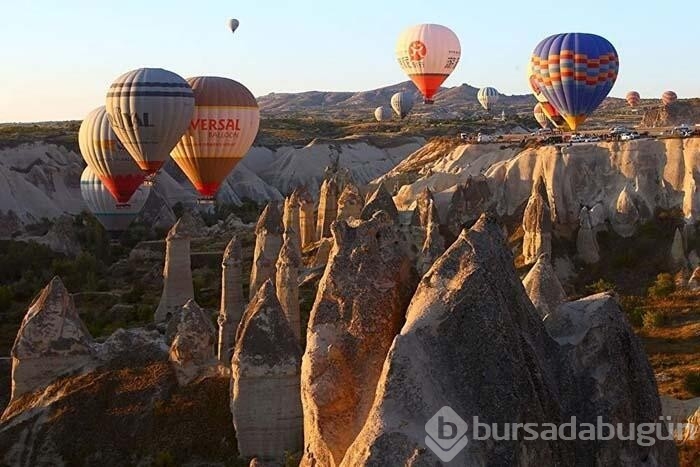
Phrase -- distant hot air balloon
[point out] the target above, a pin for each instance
(540, 116)
(428, 53)
(222, 129)
(402, 103)
(633, 98)
(487, 97)
(106, 156)
(114, 218)
(669, 97)
(150, 109)
(382, 113)
(575, 71)
(233, 24)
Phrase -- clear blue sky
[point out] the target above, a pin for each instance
(58, 58)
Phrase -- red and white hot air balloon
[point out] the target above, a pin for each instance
(428, 53)
(633, 98)
(105, 155)
(669, 97)
(540, 115)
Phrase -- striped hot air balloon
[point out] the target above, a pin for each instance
(575, 72)
(106, 156)
(553, 116)
(534, 87)
(382, 113)
(402, 103)
(428, 53)
(149, 109)
(223, 127)
(487, 97)
(633, 98)
(540, 116)
(114, 218)
(669, 97)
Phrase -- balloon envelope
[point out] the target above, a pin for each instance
(233, 24)
(149, 110)
(487, 97)
(575, 72)
(113, 217)
(428, 53)
(402, 103)
(633, 98)
(382, 113)
(553, 116)
(222, 129)
(106, 156)
(540, 116)
(669, 97)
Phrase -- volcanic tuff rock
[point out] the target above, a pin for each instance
(472, 341)
(268, 241)
(586, 241)
(625, 215)
(327, 207)
(232, 301)
(543, 286)
(177, 272)
(61, 237)
(52, 342)
(537, 224)
(380, 200)
(434, 245)
(423, 209)
(290, 215)
(359, 307)
(612, 377)
(193, 342)
(350, 202)
(307, 217)
(677, 257)
(457, 212)
(287, 280)
(694, 281)
(265, 400)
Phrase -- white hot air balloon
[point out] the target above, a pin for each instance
(487, 97)
(402, 103)
(150, 109)
(232, 24)
(382, 113)
(113, 217)
(428, 53)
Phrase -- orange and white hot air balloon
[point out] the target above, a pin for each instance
(428, 53)
(105, 155)
(633, 98)
(669, 97)
(222, 130)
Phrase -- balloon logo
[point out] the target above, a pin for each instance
(417, 51)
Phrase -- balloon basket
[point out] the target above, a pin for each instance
(208, 201)
(150, 180)
(122, 205)
(428, 101)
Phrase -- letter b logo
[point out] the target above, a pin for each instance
(446, 434)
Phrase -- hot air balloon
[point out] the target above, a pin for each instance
(534, 87)
(633, 98)
(540, 116)
(668, 97)
(487, 97)
(222, 130)
(382, 113)
(428, 53)
(553, 116)
(113, 217)
(233, 24)
(402, 103)
(149, 109)
(575, 71)
(106, 156)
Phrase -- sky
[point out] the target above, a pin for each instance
(57, 59)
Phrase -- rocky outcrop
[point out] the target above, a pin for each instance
(61, 237)
(612, 377)
(327, 207)
(625, 217)
(287, 281)
(457, 211)
(177, 272)
(586, 241)
(290, 215)
(323, 251)
(694, 281)
(268, 241)
(265, 400)
(543, 286)
(52, 342)
(232, 301)
(307, 217)
(677, 259)
(537, 224)
(350, 203)
(423, 209)
(380, 200)
(193, 342)
(434, 245)
(359, 308)
(685, 415)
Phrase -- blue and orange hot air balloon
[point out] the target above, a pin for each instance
(575, 72)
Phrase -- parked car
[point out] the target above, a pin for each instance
(618, 130)
(629, 136)
(592, 139)
(481, 138)
(577, 139)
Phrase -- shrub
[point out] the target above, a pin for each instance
(601, 285)
(654, 319)
(663, 286)
(692, 383)
(636, 317)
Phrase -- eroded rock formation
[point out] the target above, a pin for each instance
(586, 241)
(268, 241)
(287, 281)
(380, 200)
(232, 301)
(543, 286)
(327, 207)
(350, 203)
(193, 343)
(625, 216)
(307, 217)
(434, 245)
(537, 224)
